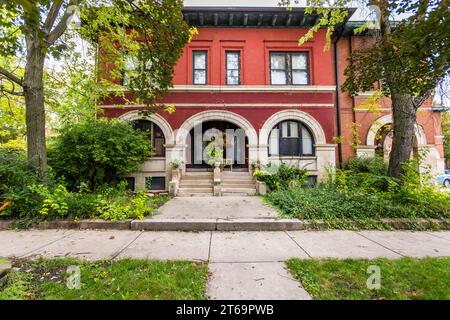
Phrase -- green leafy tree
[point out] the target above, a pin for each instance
(409, 58)
(33, 30)
(97, 152)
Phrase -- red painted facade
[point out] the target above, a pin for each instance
(318, 99)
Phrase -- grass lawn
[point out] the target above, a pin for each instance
(122, 279)
(405, 278)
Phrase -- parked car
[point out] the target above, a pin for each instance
(444, 179)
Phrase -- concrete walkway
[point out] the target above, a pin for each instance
(244, 265)
(229, 207)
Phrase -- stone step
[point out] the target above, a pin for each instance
(195, 194)
(238, 185)
(196, 190)
(236, 178)
(238, 191)
(197, 177)
(238, 182)
(198, 173)
(195, 184)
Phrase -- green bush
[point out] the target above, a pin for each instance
(96, 153)
(281, 176)
(108, 204)
(363, 192)
(16, 174)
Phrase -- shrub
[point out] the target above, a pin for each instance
(281, 176)
(97, 152)
(16, 174)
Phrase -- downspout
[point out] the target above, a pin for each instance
(338, 98)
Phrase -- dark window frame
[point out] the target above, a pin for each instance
(238, 52)
(289, 70)
(153, 138)
(299, 140)
(194, 53)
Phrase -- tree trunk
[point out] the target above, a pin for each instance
(33, 88)
(404, 120)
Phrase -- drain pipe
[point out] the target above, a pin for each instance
(338, 98)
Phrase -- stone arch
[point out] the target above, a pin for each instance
(384, 120)
(307, 119)
(183, 131)
(155, 118)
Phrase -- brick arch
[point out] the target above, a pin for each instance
(387, 119)
(305, 118)
(155, 118)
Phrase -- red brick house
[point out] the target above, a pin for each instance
(245, 75)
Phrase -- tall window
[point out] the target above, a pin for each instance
(131, 68)
(290, 138)
(289, 68)
(233, 66)
(156, 136)
(199, 67)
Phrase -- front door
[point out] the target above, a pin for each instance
(232, 139)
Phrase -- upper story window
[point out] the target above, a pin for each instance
(233, 67)
(131, 68)
(290, 138)
(199, 67)
(156, 136)
(289, 68)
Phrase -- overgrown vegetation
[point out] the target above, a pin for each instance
(95, 153)
(90, 160)
(104, 280)
(401, 279)
(362, 194)
(282, 176)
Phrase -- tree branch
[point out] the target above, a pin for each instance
(52, 14)
(62, 25)
(12, 77)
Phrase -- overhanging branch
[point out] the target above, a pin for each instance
(11, 76)
(62, 25)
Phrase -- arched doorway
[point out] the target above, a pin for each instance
(383, 142)
(227, 136)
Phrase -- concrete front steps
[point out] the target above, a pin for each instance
(196, 184)
(237, 183)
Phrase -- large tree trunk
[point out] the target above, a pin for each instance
(404, 120)
(33, 88)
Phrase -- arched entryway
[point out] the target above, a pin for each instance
(240, 140)
(227, 136)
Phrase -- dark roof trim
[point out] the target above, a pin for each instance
(251, 17)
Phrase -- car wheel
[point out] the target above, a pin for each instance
(447, 183)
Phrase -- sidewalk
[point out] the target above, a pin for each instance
(244, 265)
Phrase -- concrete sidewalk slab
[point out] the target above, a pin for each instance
(170, 245)
(339, 244)
(441, 234)
(20, 243)
(412, 244)
(230, 207)
(89, 245)
(253, 281)
(253, 246)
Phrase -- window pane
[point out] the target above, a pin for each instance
(277, 61)
(289, 147)
(200, 77)
(232, 77)
(200, 60)
(273, 142)
(307, 142)
(299, 77)
(299, 61)
(232, 60)
(131, 62)
(284, 130)
(294, 129)
(278, 77)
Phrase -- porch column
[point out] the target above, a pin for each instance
(326, 157)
